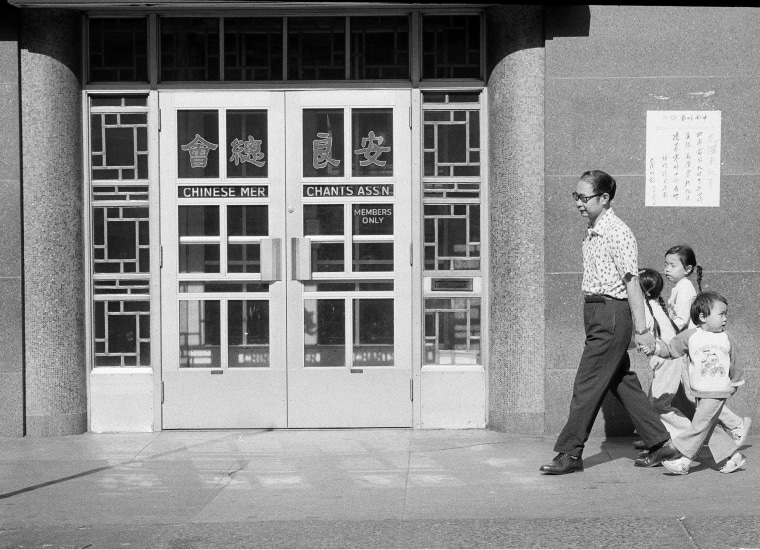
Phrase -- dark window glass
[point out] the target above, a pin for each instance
(323, 143)
(451, 46)
(189, 48)
(248, 144)
(253, 48)
(118, 50)
(316, 48)
(198, 144)
(380, 47)
(372, 142)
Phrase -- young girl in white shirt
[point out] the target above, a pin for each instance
(680, 264)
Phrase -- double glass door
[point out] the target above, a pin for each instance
(286, 268)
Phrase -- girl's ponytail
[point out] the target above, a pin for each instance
(656, 327)
(699, 277)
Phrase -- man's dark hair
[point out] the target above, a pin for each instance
(602, 182)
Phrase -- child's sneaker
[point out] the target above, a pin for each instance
(733, 463)
(740, 434)
(678, 466)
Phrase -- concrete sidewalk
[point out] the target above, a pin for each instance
(360, 488)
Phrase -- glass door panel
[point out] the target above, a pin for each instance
(223, 205)
(286, 277)
(349, 287)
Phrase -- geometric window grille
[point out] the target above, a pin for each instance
(452, 331)
(119, 145)
(122, 333)
(452, 183)
(120, 218)
(451, 140)
(452, 236)
(451, 46)
(120, 240)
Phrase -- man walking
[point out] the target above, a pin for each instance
(613, 305)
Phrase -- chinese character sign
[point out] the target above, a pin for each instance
(247, 151)
(683, 158)
(371, 150)
(322, 151)
(198, 149)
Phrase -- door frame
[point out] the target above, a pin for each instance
(415, 351)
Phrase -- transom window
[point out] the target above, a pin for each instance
(285, 48)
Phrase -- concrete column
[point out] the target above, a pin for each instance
(54, 292)
(515, 46)
(11, 297)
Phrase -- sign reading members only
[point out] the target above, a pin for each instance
(222, 191)
(348, 190)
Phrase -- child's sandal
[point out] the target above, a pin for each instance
(733, 464)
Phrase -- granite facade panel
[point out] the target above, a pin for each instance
(611, 134)
(652, 41)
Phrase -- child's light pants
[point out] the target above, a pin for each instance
(704, 428)
(667, 376)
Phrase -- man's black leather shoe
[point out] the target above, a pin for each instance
(563, 463)
(640, 445)
(654, 458)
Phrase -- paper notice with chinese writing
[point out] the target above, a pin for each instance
(683, 158)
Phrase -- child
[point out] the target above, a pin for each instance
(714, 377)
(680, 264)
(666, 372)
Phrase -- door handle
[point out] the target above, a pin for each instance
(301, 256)
(271, 263)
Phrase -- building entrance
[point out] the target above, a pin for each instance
(286, 264)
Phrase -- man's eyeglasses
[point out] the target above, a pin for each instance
(583, 198)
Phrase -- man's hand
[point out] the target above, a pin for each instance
(645, 342)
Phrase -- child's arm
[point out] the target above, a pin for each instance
(735, 372)
(678, 346)
(682, 309)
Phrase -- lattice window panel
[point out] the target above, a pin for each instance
(451, 142)
(452, 237)
(120, 242)
(119, 147)
(122, 333)
(452, 331)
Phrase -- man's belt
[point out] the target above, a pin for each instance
(601, 298)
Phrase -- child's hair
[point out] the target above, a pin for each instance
(652, 284)
(602, 182)
(703, 304)
(686, 254)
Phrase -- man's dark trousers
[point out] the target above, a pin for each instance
(604, 366)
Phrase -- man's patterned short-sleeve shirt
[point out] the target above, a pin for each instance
(609, 254)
